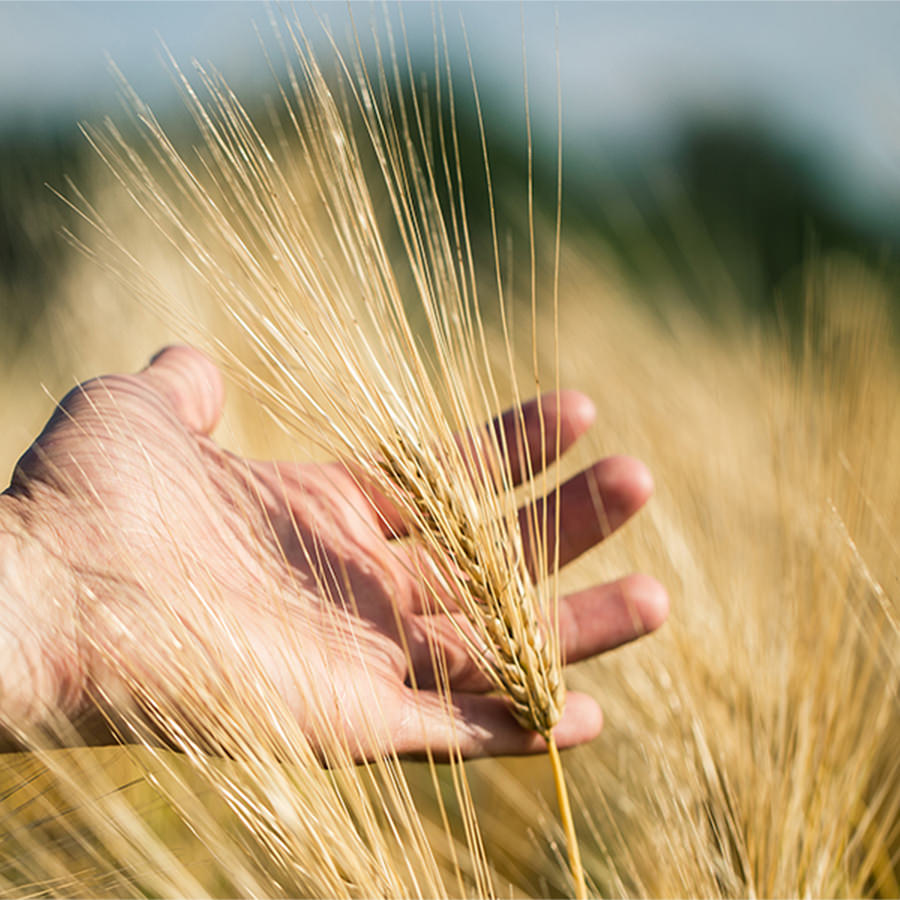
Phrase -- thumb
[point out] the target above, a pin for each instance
(191, 383)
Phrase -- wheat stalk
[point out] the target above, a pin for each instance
(500, 603)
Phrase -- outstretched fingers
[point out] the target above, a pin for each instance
(606, 616)
(528, 435)
(590, 506)
(529, 438)
(591, 621)
(481, 725)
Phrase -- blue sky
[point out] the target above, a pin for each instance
(827, 75)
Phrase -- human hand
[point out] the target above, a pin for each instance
(124, 511)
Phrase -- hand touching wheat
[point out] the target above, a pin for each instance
(125, 506)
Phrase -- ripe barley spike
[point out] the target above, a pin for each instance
(383, 362)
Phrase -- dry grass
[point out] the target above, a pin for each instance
(750, 748)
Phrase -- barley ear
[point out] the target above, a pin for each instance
(498, 599)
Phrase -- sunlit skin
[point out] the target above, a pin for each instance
(124, 501)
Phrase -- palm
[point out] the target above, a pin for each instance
(299, 556)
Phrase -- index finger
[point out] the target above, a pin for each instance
(530, 436)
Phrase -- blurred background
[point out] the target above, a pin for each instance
(709, 148)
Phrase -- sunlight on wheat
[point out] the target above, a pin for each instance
(749, 749)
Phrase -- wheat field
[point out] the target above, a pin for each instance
(749, 748)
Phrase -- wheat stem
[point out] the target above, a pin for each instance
(565, 815)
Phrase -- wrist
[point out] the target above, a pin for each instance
(36, 637)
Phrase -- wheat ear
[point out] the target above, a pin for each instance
(498, 599)
(499, 602)
(327, 321)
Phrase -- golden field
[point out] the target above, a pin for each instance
(749, 748)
